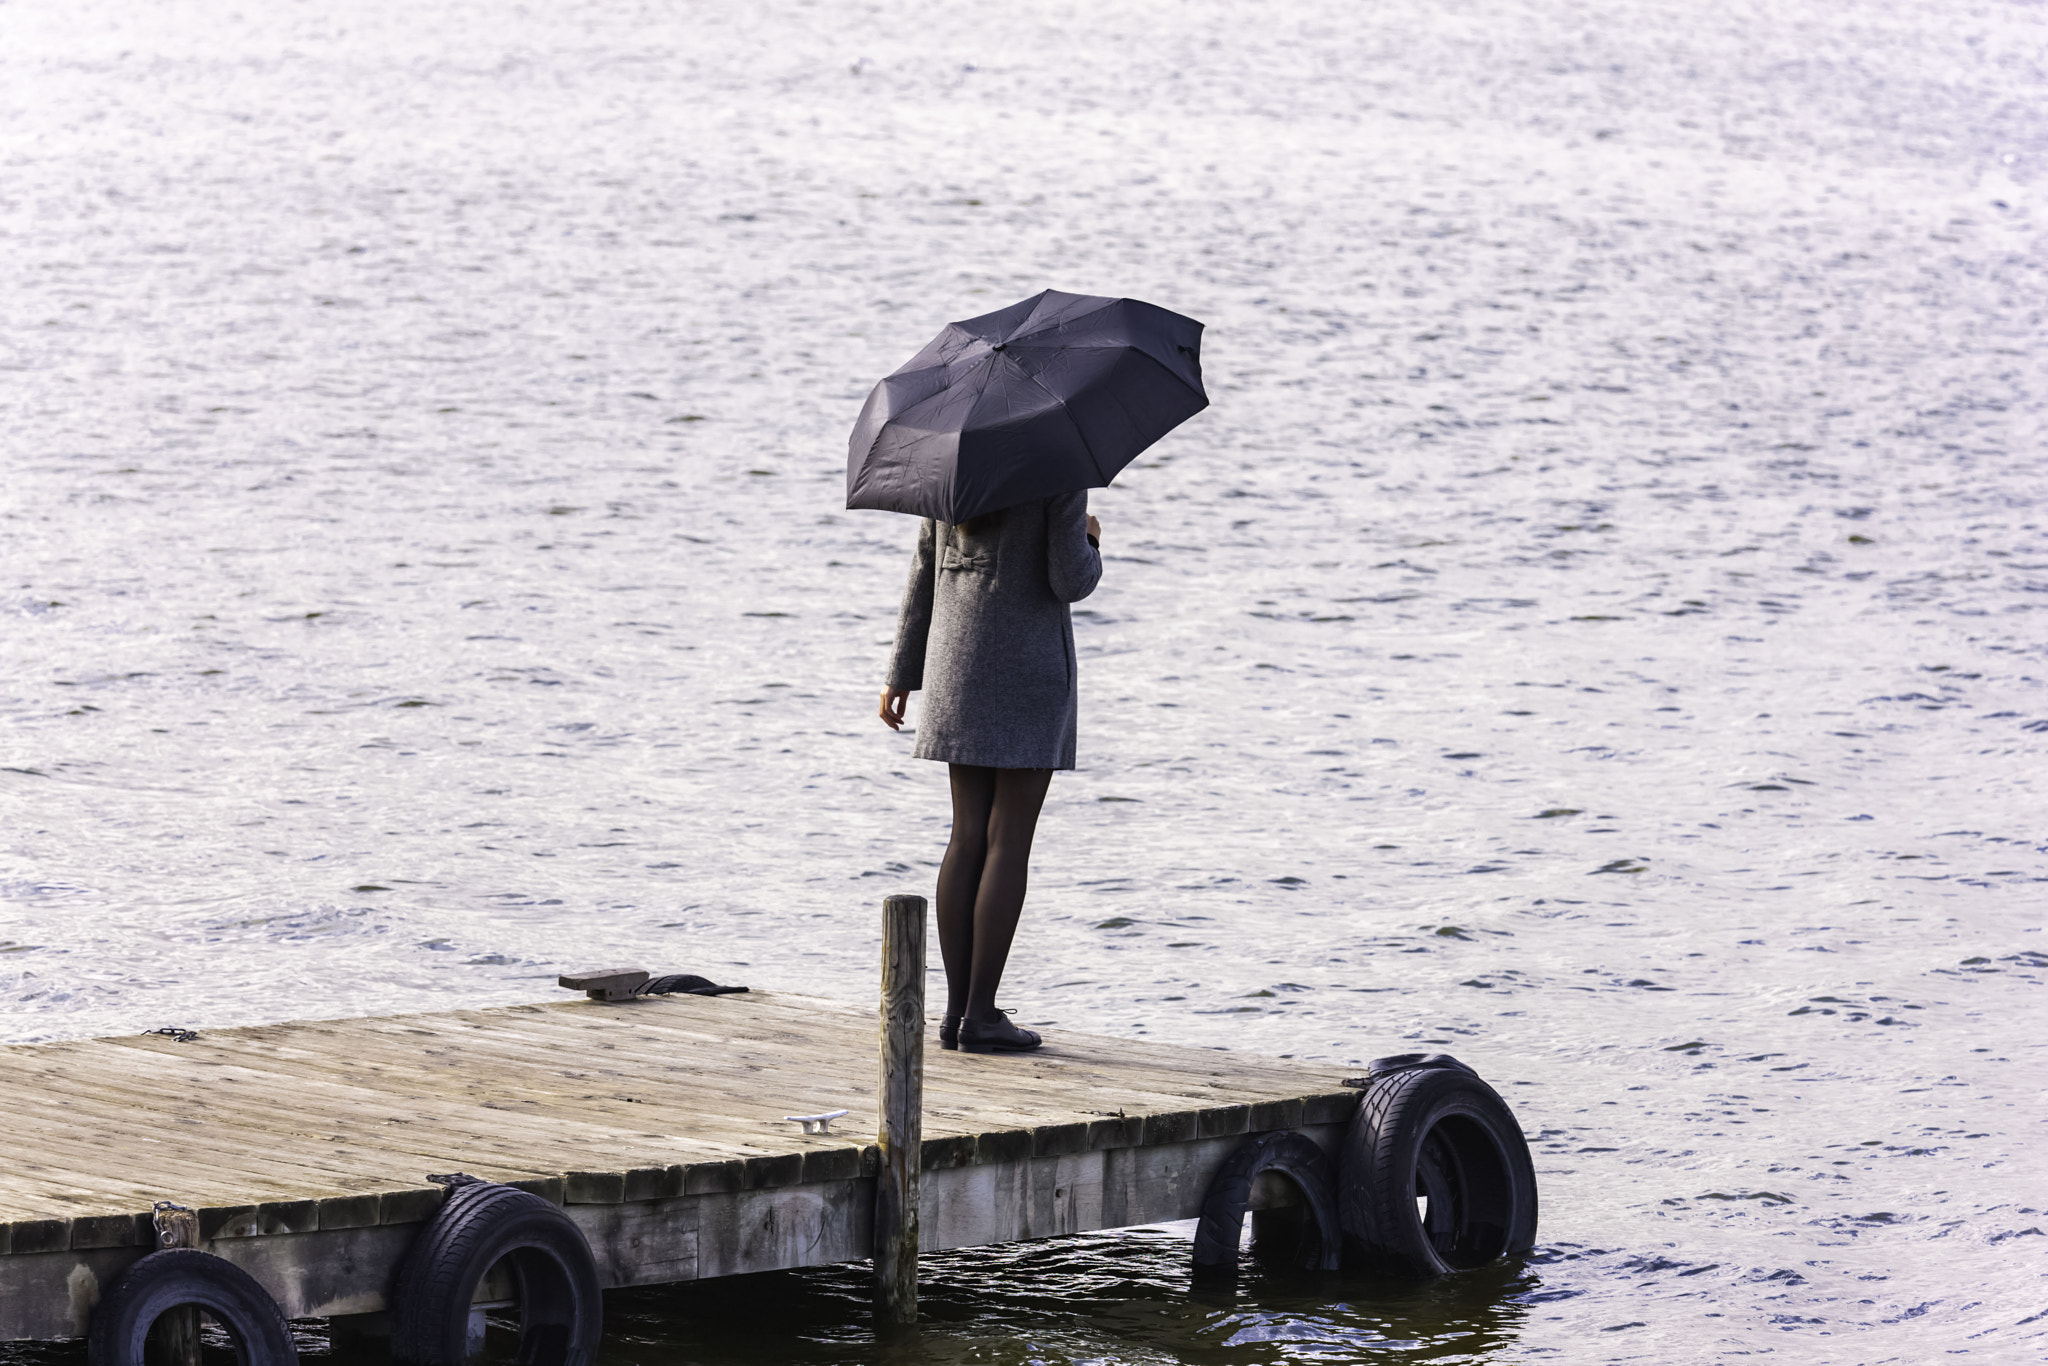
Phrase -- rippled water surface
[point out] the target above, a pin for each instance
(1595, 630)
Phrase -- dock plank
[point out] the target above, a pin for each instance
(296, 1152)
(488, 1087)
(511, 1064)
(632, 1051)
(289, 1104)
(532, 1117)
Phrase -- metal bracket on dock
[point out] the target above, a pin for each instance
(175, 1225)
(816, 1124)
(611, 984)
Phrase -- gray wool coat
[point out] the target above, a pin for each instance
(986, 632)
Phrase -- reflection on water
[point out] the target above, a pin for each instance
(1121, 1297)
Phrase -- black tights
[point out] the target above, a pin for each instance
(981, 883)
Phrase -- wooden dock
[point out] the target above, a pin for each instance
(658, 1124)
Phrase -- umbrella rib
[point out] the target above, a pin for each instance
(1079, 435)
(1044, 327)
(988, 375)
(939, 394)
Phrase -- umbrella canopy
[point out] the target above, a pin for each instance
(1051, 395)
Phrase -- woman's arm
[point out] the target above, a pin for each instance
(913, 627)
(1072, 565)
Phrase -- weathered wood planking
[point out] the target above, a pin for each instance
(899, 1139)
(657, 1123)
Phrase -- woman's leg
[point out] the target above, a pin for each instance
(974, 795)
(1019, 793)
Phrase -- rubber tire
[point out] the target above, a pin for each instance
(1442, 1132)
(181, 1276)
(1296, 1157)
(561, 1304)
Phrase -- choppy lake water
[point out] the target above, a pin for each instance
(1596, 630)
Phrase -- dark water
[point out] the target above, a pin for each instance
(1596, 630)
(1120, 1296)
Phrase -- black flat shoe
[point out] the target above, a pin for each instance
(949, 1033)
(996, 1036)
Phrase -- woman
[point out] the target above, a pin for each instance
(986, 632)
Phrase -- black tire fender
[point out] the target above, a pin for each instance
(1437, 1133)
(1296, 1157)
(181, 1276)
(561, 1304)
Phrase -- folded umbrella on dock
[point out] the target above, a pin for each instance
(1051, 395)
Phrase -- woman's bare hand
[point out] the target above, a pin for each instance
(894, 700)
(1094, 528)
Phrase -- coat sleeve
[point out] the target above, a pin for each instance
(1072, 566)
(914, 618)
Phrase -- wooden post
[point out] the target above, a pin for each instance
(901, 1116)
(177, 1328)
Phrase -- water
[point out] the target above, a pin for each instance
(1595, 630)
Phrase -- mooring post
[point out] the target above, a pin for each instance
(177, 1329)
(901, 1120)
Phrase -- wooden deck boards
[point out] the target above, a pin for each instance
(330, 1109)
(281, 1134)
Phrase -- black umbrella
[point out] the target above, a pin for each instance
(1051, 395)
